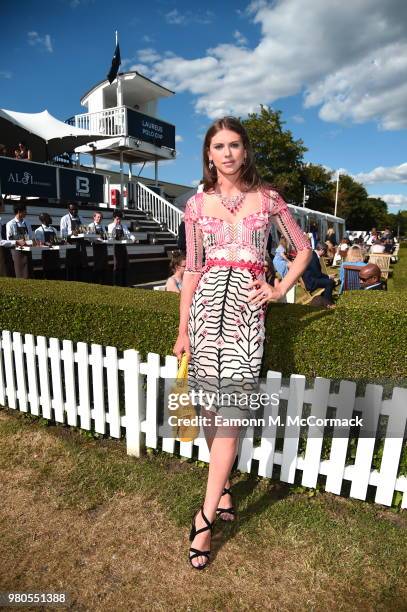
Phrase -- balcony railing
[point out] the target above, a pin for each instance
(123, 121)
(111, 122)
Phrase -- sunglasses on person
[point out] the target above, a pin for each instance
(365, 279)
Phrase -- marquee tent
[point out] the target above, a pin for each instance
(44, 135)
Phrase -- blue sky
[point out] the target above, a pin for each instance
(341, 87)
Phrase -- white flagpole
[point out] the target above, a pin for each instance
(336, 196)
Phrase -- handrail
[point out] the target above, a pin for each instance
(158, 207)
(110, 121)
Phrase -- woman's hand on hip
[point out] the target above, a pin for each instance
(182, 345)
(261, 292)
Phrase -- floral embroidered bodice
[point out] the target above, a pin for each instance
(242, 241)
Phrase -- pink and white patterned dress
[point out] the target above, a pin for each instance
(226, 332)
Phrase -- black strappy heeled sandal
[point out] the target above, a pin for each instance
(194, 532)
(230, 510)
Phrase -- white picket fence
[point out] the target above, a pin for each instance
(92, 387)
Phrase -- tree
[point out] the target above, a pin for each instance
(318, 184)
(278, 156)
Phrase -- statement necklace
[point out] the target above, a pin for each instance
(233, 203)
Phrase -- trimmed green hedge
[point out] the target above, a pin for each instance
(398, 280)
(365, 337)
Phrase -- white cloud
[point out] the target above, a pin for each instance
(350, 59)
(298, 119)
(5, 74)
(393, 200)
(383, 174)
(174, 17)
(35, 39)
(195, 182)
(148, 56)
(103, 164)
(178, 138)
(240, 39)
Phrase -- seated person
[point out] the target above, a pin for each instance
(331, 250)
(177, 267)
(378, 247)
(45, 233)
(389, 246)
(281, 262)
(313, 276)
(269, 270)
(343, 248)
(22, 151)
(354, 257)
(370, 278)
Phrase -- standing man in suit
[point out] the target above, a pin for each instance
(17, 229)
(313, 276)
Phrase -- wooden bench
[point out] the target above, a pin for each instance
(395, 254)
(307, 296)
(383, 261)
(351, 280)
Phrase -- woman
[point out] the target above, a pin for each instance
(177, 267)
(330, 235)
(330, 251)
(355, 257)
(22, 151)
(281, 262)
(223, 302)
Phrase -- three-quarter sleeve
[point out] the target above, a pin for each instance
(194, 240)
(286, 223)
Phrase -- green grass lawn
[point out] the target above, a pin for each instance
(79, 515)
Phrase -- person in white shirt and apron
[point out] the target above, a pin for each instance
(6, 244)
(47, 235)
(120, 231)
(76, 259)
(16, 230)
(100, 252)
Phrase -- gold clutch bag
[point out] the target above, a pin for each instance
(184, 432)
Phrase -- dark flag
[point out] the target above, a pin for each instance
(114, 68)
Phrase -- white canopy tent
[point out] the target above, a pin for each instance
(43, 134)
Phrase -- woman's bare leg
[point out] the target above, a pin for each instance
(210, 433)
(222, 456)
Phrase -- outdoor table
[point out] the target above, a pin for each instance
(40, 249)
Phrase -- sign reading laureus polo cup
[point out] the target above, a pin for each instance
(21, 177)
(80, 186)
(150, 129)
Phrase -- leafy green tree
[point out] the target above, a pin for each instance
(278, 156)
(280, 161)
(318, 184)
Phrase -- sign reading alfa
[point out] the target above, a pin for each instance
(150, 129)
(20, 177)
(80, 186)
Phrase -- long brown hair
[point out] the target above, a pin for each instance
(249, 176)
